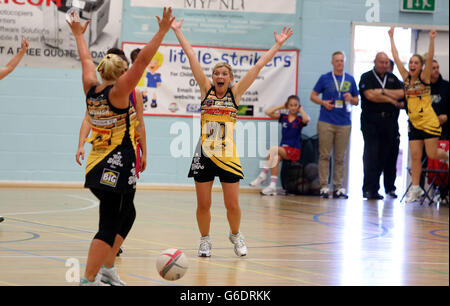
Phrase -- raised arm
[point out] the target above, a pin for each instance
(397, 60)
(304, 115)
(273, 111)
(240, 88)
(89, 76)
(128, 81)
(196, 69)
(426, 73)
(12, 64)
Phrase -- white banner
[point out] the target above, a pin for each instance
(248, 6)
(43, 24)
(171, 90)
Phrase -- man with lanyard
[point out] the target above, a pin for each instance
(380, 92)
(339, 93)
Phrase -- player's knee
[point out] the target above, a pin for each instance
(203, 206)
(232, 206)
(107, 236)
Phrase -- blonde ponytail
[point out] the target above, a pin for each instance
(111, 67)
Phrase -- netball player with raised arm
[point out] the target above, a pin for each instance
(424, 126)
(136, 99)
(110, 168)
(216, 152)
(10, 66)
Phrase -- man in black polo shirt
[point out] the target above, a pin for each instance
(380, 92)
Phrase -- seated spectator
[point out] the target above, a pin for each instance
(289, 148)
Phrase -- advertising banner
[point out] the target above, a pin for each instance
(170, 89)
(43, 24)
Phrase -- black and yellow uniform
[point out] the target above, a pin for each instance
(111, 165)
(216, 153)
(423, 121)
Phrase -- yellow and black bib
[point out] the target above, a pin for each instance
(218, 122)
(112, 159)
(420, 111)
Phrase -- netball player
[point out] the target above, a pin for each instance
(424, 126)
(292, 125)
(216, 152)
(110, 169)
(10, 66)
(136, 99)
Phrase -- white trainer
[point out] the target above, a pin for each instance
(269, 190)
(258, 181)
(204, 249)
(97, 281)
(324, 193)
(110, 276)
(239, 245)
(414, 194)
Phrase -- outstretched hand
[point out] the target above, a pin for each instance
(75, 25)
(166, 21)
(391, 32)
(176, 25)
(283, 36)
(433, 33)
(24, 45)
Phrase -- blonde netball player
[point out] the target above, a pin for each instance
(110, 169)
(424, 126)
(136, 99)
(216, 152)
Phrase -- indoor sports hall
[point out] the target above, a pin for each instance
(94, 169)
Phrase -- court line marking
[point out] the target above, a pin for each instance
(83, 265)
(8, 284)
(184, 211)
(374, 210)
(42, 212)
(33, 236)
(202, 260)
(167, 245)
(225, 259)
(433, 232)
(95, 204)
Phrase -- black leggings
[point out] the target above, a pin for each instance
(117, 215)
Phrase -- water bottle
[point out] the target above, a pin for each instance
(73, 14)
(348, 106)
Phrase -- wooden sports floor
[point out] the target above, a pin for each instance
(292, 240)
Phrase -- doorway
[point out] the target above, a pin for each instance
(368, 40)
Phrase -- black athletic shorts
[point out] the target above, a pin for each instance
(416, 134)
(203, 169)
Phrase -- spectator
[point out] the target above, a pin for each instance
(289, 148)
(339, 92)
(439, 98)
(380, 91)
